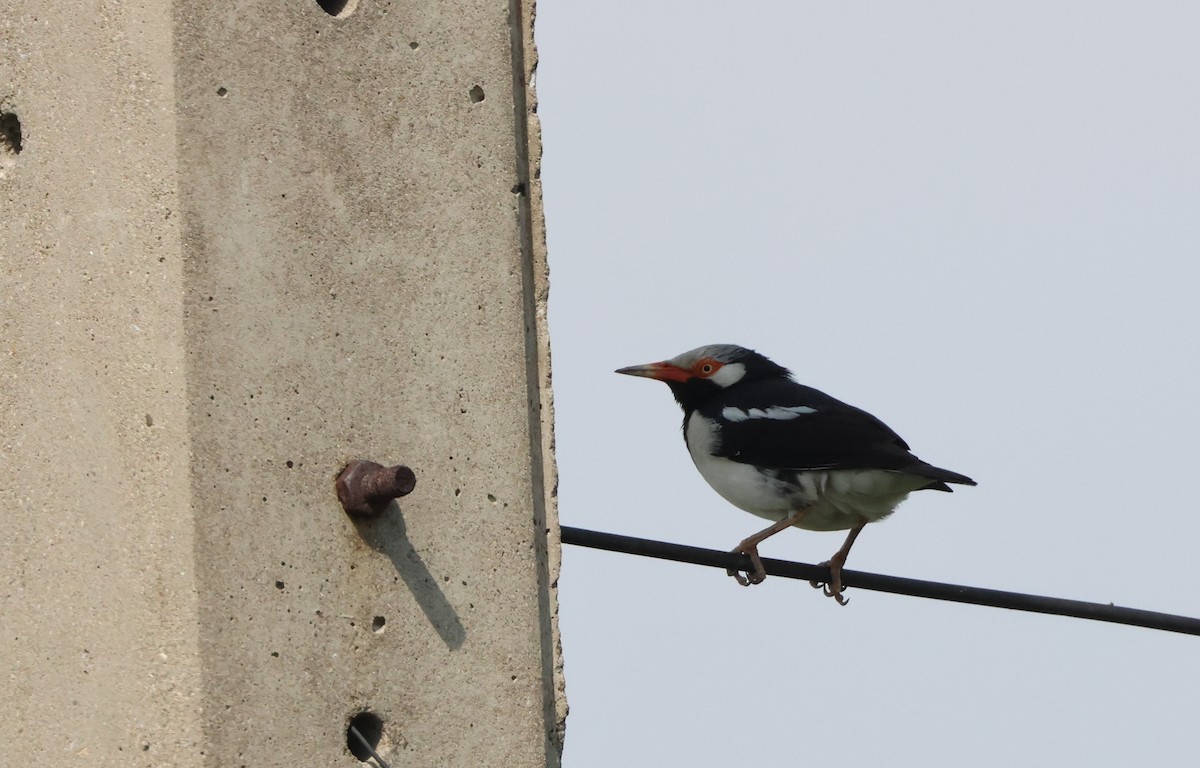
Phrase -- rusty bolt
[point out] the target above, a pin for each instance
(366, 488)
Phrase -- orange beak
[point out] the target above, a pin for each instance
(659, 371)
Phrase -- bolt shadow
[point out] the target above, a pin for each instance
(386, 533)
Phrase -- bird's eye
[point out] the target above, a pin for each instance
(706, 367)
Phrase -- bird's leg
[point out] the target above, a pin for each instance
(749, 546)
(834, 588)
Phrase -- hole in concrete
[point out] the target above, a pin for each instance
(414, 45)
(11, 142)
(339, 9)
(369, 727)
(10, 134)
(477, 95)
(222, 91)
(377, 624)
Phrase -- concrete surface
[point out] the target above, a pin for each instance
(243, 245)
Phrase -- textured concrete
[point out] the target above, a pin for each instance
(243, 245)
(99, 659)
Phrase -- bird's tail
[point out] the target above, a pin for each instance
(940, 477)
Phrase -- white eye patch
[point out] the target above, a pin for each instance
(777, 412)
(728, 375)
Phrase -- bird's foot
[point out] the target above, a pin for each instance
(834, 587)
(756, 576)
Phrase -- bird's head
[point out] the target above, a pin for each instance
(701, 373)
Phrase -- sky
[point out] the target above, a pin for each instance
(981, 223)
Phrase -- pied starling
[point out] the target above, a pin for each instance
(789, 453)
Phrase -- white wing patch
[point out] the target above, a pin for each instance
(777, 412)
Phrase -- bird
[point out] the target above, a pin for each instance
(789, 453)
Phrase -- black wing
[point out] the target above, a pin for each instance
(835, 435)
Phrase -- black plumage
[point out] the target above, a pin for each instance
(835, 436)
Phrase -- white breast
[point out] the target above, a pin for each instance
(833, 500)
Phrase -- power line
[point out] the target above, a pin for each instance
(894, 584)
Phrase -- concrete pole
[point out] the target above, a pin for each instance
(242, 244)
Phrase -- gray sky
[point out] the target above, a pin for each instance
(980, 222)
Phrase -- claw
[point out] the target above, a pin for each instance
(834, 587)
(749, 546)
(756, 576)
